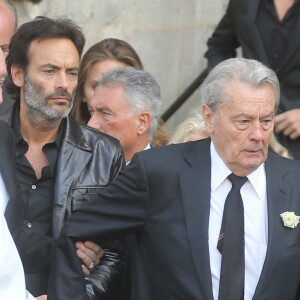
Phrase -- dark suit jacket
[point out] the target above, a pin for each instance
(164, 196)
(15, 207)
(238, 28)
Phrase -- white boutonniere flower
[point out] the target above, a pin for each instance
(290, 219)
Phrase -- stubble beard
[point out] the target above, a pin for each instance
(41, 114)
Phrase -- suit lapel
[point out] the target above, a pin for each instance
(195, 186)
(7, 164)
(253, 6)
(15, 207)
(7, 175)
(277, 202)
(10, 182)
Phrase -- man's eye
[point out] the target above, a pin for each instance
(243, 122)
(4, 48)
(73, 74)
(48, 71)
(266, 122)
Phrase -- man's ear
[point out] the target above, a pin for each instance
(17, 75)
(208, 118)
(143, 122)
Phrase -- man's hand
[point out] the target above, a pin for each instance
(288, 123)
(90, 254)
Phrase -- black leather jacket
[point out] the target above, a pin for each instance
(88, 160)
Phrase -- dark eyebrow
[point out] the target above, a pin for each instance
(73, 69)
(49, 65)
(4, 46)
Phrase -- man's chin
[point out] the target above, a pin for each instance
(56, 114)
(254, 163)
(59, 111)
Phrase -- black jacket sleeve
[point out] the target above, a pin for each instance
(106, 275)
(223, 42)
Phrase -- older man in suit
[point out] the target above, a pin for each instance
(200, 234)
(268, 31)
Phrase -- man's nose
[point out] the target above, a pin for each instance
(62, 81)
(94, 122)
(256, 131)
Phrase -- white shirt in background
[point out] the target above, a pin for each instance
(12, 281)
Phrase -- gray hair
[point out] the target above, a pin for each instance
(252, 72)
(142, 92)
(13, 10)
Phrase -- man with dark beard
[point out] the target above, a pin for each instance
(60, 163)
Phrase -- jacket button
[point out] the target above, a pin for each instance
(33, 187)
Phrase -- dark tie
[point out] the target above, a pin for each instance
(231, 243)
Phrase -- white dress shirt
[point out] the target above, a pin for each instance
(12, 281)
(146, 148)
(254, 197)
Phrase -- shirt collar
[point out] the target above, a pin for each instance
(258, 181)
(146, 148)
(220, 172)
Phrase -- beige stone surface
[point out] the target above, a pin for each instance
(169, 35)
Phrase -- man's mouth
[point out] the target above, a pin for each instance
(254, 151)
(61, 100)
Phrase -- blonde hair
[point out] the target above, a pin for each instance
(278, 148)
(186, 131)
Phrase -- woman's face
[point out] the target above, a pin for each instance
(94, 75)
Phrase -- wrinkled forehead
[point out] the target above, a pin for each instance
(240, 93)
(247, 100)
(60, 52)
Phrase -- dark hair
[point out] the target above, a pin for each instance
(107, 49)
(38, 29)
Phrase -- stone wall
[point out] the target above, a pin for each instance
(169, 35)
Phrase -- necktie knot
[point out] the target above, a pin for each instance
(237, 181)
